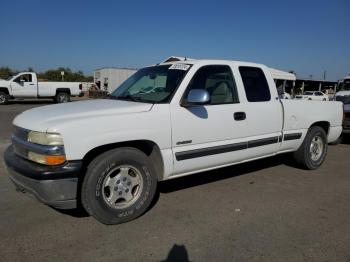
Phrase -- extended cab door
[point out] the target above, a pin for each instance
(24, 85)
(211, 135)
(263, 109)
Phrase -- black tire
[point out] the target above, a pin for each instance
(62, 98)
(303, 155)
(93, 191)
(4, 98)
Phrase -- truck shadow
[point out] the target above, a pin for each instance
(224, 173)
(31, 102)
(204, 178)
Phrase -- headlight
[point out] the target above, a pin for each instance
(49, 139)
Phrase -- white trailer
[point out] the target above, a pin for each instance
(108, 79)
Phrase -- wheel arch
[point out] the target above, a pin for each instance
(63, 90)
(323, 124)
(5, 90)
(150, 148)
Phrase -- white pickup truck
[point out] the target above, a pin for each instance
(25, 85)
(166, 121)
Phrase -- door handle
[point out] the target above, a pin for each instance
(239, 116)
(31, 84)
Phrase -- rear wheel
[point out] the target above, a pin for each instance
(4, 98)
(313, 150)
(119, 185)
(62, 98)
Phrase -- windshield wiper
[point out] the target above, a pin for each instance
(128, 98)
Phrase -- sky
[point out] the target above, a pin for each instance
(307, 36)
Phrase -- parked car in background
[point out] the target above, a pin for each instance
(313, 95)
(169, 120)
(344, 90)
(26, 86)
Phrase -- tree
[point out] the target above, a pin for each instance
(6, 72)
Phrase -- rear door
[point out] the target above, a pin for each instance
(24, 86)
(263, 109)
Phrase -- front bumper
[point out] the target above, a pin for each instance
(55, 186)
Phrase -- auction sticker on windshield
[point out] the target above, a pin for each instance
(184, 67)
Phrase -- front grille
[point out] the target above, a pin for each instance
(19, 150)
(21, 133)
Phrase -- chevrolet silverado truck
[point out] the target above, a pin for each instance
(25, 85)
(166, 121)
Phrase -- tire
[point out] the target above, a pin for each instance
(4, 98)
(324, 99)
(62, 98)
(307, 155)
(134, 179)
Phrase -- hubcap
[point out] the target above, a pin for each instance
(63, 99)
(316, 148)
(122, 186)
(2, 99)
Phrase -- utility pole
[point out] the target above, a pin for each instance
(324, 74)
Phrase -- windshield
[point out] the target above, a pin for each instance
(155, 84)
(9, 78)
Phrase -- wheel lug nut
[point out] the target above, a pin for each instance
(124, 179)
(116, 189)
(120, 192)
(129, 183)
(127, 190)
(118, 181)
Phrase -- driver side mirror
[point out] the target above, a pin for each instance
(197, 97)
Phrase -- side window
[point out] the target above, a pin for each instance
(255, 84)
(23, 78)
(219, 83)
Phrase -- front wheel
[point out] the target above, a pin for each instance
(62, 98)
(4, 98)
(313, 150)
(119, 186)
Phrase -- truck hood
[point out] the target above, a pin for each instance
(45, 118)
(3, 83)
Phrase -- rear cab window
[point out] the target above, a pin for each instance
(255, 84)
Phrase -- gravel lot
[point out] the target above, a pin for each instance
(266, 210)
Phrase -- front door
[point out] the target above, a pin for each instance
(24, 86)
(209, 135)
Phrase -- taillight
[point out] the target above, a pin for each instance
(81, 86)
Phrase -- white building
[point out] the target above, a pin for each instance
(108, 79)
